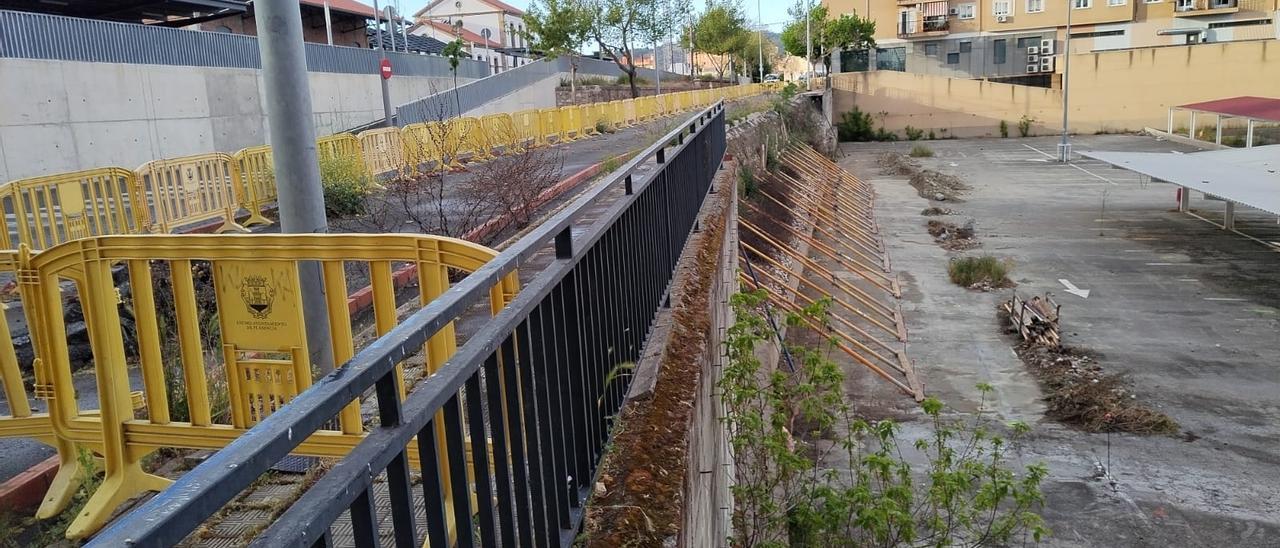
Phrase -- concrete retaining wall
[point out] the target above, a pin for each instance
(1110, 91)
(67, 115)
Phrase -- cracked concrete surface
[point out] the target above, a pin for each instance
(1187, 311)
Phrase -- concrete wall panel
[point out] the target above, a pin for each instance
(33, 92)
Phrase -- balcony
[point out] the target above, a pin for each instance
(929, 27)
(1196, 8)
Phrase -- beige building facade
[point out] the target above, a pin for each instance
(1021, 41)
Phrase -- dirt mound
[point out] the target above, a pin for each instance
(936, 211)
(1080, 393)
(938, 186)
(892, 163)
(952, 237)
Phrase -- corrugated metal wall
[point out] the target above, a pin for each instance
(38, 36)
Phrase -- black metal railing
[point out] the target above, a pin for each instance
(535, 388)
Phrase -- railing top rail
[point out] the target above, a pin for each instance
(169, 516)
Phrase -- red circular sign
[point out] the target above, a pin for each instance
(386, 69)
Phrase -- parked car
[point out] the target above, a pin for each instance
(771, 78)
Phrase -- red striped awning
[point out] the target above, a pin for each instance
(935, 9)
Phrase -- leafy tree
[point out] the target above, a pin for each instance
(618, 26)
(849, 32)
(721, 32)
(454, 51)
(750, 52)
(558, 27)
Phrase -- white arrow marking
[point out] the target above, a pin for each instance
(1072, 289)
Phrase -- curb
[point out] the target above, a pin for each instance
(27, 489)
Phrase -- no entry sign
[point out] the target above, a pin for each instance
(386, 69)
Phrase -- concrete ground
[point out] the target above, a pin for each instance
(1187, 311)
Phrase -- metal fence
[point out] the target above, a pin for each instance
(39, 36)
(535, 388)
(477, 93)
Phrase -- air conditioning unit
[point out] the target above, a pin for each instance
(1033, 68)
(953, 11)
(1002, 18)
(1046, 47)
(1033, 59)
(1046, 64)
(1032, 50)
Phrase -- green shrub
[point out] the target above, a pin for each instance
(623, 81)
(931, 135)
(913, 134)
(882, 135)
(970, 271)
(1004, 128)
(604, 127)
(921, 151)
(855, 125)
(1024, 125)
(346, 185)
(746, 181)
(788, 91)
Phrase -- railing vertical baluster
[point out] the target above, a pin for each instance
(574, 393)
(456, 451)
(501, 452)
(543, 343)
(526, 402)
(480, 456)
(399, 488)
(364, 521)
(432, 486)
(562, 406)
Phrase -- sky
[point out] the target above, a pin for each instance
(773, 12)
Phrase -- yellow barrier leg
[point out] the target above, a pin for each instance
(65, 483)
(128, 482)
(255, 217)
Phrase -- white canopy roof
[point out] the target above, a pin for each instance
(1248, 176)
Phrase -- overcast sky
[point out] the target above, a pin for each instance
(774, 11)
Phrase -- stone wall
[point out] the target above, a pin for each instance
(603, 94)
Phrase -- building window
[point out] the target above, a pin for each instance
(953, 58)
(1244, 23)
(1082, 4)
(223, 29)
(1098, 34)
(998, 51)
(1000, 8)
(1028, 41)
(1215, 4)
(1152, 1)
(1035, 6)
(931, 49)
(521, 35)
(1117, 2)
(966, 11)
(966, 47)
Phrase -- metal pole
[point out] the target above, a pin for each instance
(386, 83)
(390, 14)
(808, 42)
(657, 70)
(328, 23)
(1064, 148)
(301, 197)
(760, 38)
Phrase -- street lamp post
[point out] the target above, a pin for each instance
(1064, 148)
(760, 38)
(808, 42)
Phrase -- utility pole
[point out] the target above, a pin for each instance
(390, 14)
(301, 198)
(386, 84)
(328, 23)
(808, 42)
(1064, 148)
(760, 38)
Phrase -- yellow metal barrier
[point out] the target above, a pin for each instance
(471, 138)
(57, 208)
(382, 150)
(629, 111)
(528, 128)
(569, 119)
(257, 186)
(192, 189)
(339, 145)
(500, 131)
(421, 144)
(259, 351)
(550, 122)
(586, 121)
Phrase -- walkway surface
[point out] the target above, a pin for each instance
(1186, 311)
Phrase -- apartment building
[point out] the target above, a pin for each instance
(492, 30)
(1020, 41)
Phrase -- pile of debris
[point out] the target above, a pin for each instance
(892, 163)
(936, 211)
(938, 186)
(952, 237)
(1077, 389)
(1035, 320)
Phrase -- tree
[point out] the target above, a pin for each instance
(558, 27)
(454, 51)
(750, 52)
(618, 26)
(845, 32)
(721, 33)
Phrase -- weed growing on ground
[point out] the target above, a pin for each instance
(921, 151)
(346, 183)
(1024, 125)
(913, 134)
(984, 271)
(746, 181)
(1004, 129)
(962, 492)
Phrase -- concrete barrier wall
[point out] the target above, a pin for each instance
(1110, 91)
(69, 115)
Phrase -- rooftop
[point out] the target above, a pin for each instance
(1262, 108)
(1246, 176)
